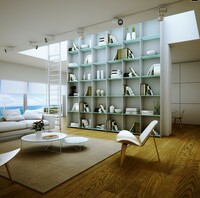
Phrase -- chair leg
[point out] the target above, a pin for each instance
(156, 149)
(123, 151)
(181, 125)
(7, 168)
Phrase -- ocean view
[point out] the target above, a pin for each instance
(20, 107)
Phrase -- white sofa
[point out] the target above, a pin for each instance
(15, 125)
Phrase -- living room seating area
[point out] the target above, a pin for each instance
(13, 124)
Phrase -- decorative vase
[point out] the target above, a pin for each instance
(133, 35)
(102, 92)
(112, 109)
(38, 134)
(98, 92)
(128, 36)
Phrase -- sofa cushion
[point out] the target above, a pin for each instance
(12, 115)
(29, 123)
(34, 114)
(10, 126)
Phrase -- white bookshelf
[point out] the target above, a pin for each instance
(121, 90)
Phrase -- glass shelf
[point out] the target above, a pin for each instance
(100, 63)
(98, 47)
(86, 49)
(73, 52)
(115, 78)
(151, 76)
(150, 56)
(114, 61)
(99, 80)
(137, 40)
(116, 44)
(85, 65)
(149, 38)
(131, 78)
(131, 59)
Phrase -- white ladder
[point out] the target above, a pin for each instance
(54, 82)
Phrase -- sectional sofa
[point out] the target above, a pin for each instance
(13, 124)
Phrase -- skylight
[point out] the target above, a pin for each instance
(42, 52)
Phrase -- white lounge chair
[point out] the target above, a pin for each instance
(127, 138)
(6, 157)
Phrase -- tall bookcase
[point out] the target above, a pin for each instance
(102, 73)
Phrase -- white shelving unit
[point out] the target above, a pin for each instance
(92, 67)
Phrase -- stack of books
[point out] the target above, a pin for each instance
(102, 41)
(132, 110)
(147, 112)
(116, 73)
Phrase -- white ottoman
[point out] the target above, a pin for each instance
(77, 141)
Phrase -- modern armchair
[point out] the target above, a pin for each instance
(6, 157)
(127, 138)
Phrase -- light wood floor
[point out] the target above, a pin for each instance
(177, 175)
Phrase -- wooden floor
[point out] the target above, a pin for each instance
(177, 175)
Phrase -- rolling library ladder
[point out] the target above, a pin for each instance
(54, 82)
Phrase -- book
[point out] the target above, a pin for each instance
(102, 108)
(75, 107)
(143, 89)
(156, 69)
(81, 106)
(86, 108)
(133, 71)
(89, 91)
(149, 90)
(114, 126)
(85, 123)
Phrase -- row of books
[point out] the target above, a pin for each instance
(83, 107)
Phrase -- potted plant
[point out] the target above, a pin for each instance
(38, 126)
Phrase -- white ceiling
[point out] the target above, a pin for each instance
(23, 21)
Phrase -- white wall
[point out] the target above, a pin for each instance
(186, 91)
(13, 71)
(172, 35)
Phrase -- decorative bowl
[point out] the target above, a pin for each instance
(118, 110)
(151, 52)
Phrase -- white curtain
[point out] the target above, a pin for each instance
(13, 87)
(37, 88)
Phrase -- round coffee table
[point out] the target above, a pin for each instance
(46, 137)
(77, 141)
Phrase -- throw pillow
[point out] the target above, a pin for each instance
(34, 114)
(12, 115)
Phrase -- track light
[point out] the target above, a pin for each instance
(33, 44)
(7, 49)
(80, 32)
(161, 13)
(118, 21)
(49, 38)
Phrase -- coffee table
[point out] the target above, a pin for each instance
(79, 141)
(46, 137)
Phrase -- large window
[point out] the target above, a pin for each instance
(11, 95)
(36, 97)
(11, 101)
(25, 95)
